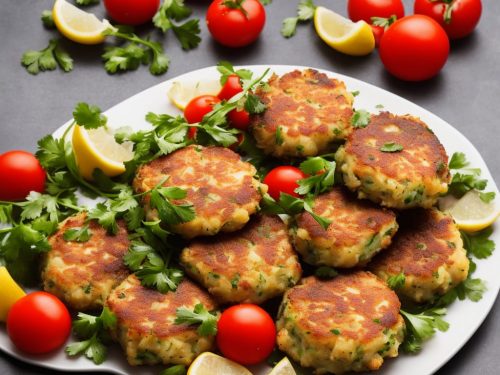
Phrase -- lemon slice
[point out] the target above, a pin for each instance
(97, 148)
(78, 25)
(342, 34)
(209, 363)
(10, 292)
(283, 367)
(181, 93)
(470, 212)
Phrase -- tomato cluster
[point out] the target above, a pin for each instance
(416, 47)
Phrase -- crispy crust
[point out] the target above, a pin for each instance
(311, 109)
(96, 264)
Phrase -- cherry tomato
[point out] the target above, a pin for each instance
(192, 132)
(20, 173)
(233, 27)
(230, 88)
(246, 334)
(378, 32)
(132, 12)
(38, 323)
(366, 9)
(283, 179)
(458, 23)
(199, 107)
(239, 119)
(414, 48)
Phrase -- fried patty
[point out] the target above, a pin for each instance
(145, 323)
(251, 265)
(357, 232)
(221, 187)
(306, 112)
(82, 274)
(414, 177)
(428, 250)
(349, 323)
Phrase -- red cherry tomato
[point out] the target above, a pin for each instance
(239, 119)
(132, 12)
(20, 173)
(230, 88)
(378, 32)
(366, 9)
(38, 323)
(192, 132)
(458, 23)
(233, 27)
(414, 48)
(283, 179)
(246, 334)
(199, 107)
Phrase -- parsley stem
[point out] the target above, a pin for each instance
(6, 230)
(133, 38)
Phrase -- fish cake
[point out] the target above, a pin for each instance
(358, 230)
(428, 250)
(221, 187)
(306, 112)
(145, 323)
(415, 176)
(349, 323)
(252, 265)
(82, 274)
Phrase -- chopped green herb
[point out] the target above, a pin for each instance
(200, 315)
(47, 59)
(391, 147)
(360, 118)
(305, 12)
(396, 281)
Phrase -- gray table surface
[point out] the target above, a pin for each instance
(465, 94)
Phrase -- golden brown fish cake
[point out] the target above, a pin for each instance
(358, 230)
(414, 177)
(221, 187)
(428, 250)
(349, 323)
(306, 112)
(145, 323)
(252, 265)
(83, 274)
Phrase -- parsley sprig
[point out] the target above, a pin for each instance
(305, 12)
(175, 10)
(321, 172)
(93, 333)
(206, 320)
(48, 58)
(421, 326)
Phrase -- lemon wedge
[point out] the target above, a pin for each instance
(283, 367)
(10, 292)
(181, 93)
(78, 25)
(342, 34)
(470, 212)
(97, 148)
(209, 363)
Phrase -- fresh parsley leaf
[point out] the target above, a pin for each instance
(266, 2)
(188, 34)
(322, 175)
(305, 12)
(47, 19)
(200, 315)
(384, 22)
(92, 348)
(479, 244)
(168, 212)
(6, 213)
(254, 105)
(360, 118)
(175, 10)
(467, 179)
(325, 273)
(129, 57)
(355, 93)
(397, 281)
(105, 216)
(422, 326)
(226, 69)
(89, 116)
(323, 221)
(47, 59)
(487, 197)
(51, 153)
(79, 234)
(174, 370)
(391, 147)
(458, 161)
(157, 275)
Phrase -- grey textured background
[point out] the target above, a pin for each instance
(465, 94)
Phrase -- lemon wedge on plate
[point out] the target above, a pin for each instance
(97, 148)
(209, 364)
(10, 292)
(181, 93)
(342, 34)
(283, 367)
(78, 25)
(470, 212)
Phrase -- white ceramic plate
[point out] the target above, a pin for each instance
(464, 317)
